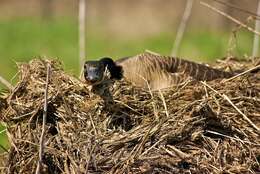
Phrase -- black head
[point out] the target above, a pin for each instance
(94, 70)
(115, 70)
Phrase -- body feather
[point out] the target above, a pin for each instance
(163, 71)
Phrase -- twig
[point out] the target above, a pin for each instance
(233, 138)
(178, 152)
(41, 149)
(164, 103)
(146, 151)
(234, 106)
(184, 21)
(240, 112)
(90, 157)
(151, 93)
(140, 147)
(132, 109)
(152, 52)
(257, 16)
(82, 14)
(6, 83)
(231, 18)
(2, 131)
(240, 74)
(256, 37)
(93, 124)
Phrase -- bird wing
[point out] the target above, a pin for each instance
(157, 70)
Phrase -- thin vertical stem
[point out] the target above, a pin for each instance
(82, 15)
(181, 29)
(45, 107)
(256, 37)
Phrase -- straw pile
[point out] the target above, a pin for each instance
(197, 127)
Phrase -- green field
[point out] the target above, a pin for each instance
(24, 39)
(3, 139)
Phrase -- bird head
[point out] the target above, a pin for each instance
(95, 71)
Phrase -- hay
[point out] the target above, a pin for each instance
(188, 128)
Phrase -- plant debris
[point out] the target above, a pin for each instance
(190, 128)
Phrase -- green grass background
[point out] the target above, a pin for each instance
(24, 39)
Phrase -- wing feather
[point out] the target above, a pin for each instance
(160, 71)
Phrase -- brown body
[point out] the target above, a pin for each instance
(163, 71)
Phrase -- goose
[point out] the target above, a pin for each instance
(146, 70)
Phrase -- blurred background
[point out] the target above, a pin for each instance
(116, 28)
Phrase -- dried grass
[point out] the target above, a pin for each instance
(188, 128)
